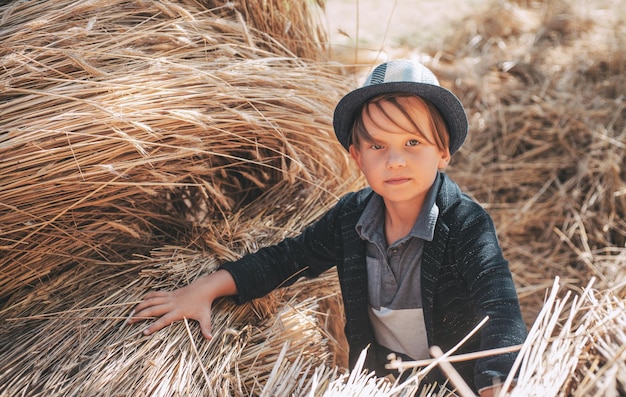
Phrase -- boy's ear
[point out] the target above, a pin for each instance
(445, 158)
(356, 155)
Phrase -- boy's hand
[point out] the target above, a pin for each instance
(192, 302)
(492, 391)
(487, 392)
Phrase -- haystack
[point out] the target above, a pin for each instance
(146, 121)
(142, 143)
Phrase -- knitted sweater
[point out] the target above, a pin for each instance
(464, 278)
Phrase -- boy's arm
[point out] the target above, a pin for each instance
(252, 276)
(315, 250)
(493, 292)
(193, 302)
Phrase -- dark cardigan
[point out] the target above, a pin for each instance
(464, 278)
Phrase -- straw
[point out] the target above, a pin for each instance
(138, 132)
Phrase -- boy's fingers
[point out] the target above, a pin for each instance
(161, 323)
(205, 328)
(150, 301)
(149, 312)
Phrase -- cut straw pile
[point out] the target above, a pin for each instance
(142, 143)
(125, 125)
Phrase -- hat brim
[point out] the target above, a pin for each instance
(444, 100)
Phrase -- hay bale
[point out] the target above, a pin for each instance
(128, 125)
(142, 143)
(95, 353)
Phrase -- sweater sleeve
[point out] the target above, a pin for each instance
(314, 251)
(492, 293)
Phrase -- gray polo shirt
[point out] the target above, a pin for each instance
(394, 277)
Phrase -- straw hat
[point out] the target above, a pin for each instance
(403, 76)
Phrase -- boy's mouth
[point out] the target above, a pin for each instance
(397, 181)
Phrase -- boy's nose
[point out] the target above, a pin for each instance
(395, 159)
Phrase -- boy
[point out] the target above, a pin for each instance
(419, 263)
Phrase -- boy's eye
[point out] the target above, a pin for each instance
(376, 146)
(413, 142)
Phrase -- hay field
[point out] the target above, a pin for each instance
(144, 142)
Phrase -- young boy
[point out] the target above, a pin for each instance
(419, 263)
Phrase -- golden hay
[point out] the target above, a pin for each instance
(95, 353)
(128, 129)
(576, 346)
(142, 143)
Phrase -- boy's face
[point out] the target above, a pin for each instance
(398, 163)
